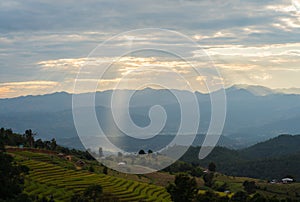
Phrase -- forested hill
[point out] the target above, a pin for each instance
(276, 147)
(272, 159)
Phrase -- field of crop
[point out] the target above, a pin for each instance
(51, 176)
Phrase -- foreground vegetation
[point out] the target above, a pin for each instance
(45, 171)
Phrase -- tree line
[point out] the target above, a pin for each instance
(8, 137)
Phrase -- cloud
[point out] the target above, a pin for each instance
(13, 89)
(50, 40)
(114, 15)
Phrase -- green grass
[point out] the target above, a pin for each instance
(50, 175)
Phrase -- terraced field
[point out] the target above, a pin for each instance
(48, 176)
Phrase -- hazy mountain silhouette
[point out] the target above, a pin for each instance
(254, 113)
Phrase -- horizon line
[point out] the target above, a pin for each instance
(237, 86)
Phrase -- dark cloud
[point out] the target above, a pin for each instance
(123, 15)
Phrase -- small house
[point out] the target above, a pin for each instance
(121, 163)
(68, 158)
(206, 171)
(61, 155)
(80, 163)
(287, 180)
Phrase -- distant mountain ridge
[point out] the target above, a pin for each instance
(255, 90)
(262, 90)
(254, 113)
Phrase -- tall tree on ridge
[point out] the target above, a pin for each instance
(29, 135)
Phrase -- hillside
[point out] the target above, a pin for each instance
(283, 145)
(50, 175)
(272, 159)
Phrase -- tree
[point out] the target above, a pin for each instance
(39, 144)
(47, 145)
(100, 151)
(220, 187)
(212, 167)
(197, 172)
(77, 198)
(87, 155)
(142, 152)
(51, 198)
(239, 196)
(257, 198)
(105, 170)
(53, 144)
(150, 151)
(2, 147)
(44, 199)
(29, 135)
(249, 187)
(3, 138)
(120, 154)
(93, 192)
(208, 179)
(210, 196)
(11, 178)
(91, 169)
(183, 189)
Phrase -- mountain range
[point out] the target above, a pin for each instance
(254, 113)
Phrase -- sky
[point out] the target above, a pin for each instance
(45, 44)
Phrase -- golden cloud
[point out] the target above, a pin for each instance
(13, 89)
